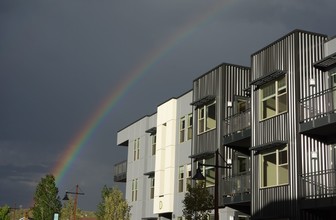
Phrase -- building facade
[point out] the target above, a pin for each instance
(273, 125)
(218, 94)
(158, 167)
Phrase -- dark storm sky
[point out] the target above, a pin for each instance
(59, 60)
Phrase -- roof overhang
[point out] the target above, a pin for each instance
(268, 78)
(202, 155)
(326, 63)
(151, 130)
(203, 101)
(150, 174)
(269, 145)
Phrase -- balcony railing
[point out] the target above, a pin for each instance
(237, 188)
(120, 170)
(318, 105)
(237, 122)
(321, 184)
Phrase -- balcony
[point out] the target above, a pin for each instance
(237, 189)
(120, 170)
(318, 116)
(237, 130)
(318, 189)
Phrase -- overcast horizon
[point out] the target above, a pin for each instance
(61, 59)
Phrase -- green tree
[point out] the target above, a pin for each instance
(4, 212)
(197, 202)
(113, 205)
(46, 199)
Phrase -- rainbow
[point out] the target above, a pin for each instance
(79, 141)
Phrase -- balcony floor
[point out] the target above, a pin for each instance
(323, 128)
(240, 141)
(321, 203)
(241, 202)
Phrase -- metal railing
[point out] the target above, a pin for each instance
(120, 170)
(237, 184)
(237, 122)
(320, 184)
(318, 105)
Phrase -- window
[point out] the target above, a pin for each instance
(153, 144)
(188, 182)
(207, 118)
(180, 178)
(135, 190)
(209, 172)
(274, 167)
(152, 184)
(182, 129)
(241, 105)
(242, 164)
(273, 98)
(190, 123)
(136, 149)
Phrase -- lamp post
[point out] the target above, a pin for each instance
(200, 176)
(76, 198)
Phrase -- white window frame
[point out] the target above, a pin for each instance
(182, 129)
(152, 187)
(180, 178)
(188, 175)
(189, 126)
(153, 144)
(134, 190)
(278, 92)
(203, 118)
(277, 152)
(136, 149)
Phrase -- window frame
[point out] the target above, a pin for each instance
(180, 178)
(207, 170)
(153, 140)
(203, 117)
(134, 190)
(136, 149)
(277, 165)
(182, 129)
(279, 91)
(188, 175)
(151, 187)
(189, 126)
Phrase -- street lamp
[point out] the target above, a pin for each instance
(200, 176)
(76, 198)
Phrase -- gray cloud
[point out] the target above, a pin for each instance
(60, 59)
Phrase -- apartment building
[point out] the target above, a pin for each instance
(158, 167)
(273, 125)
(218, 94)
(283, 76)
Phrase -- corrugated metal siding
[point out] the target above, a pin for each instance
(294, 54)
(224, 82)
(311, 52)
(207, 85)
(307, 57)
(235, 80)
(277, 209)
